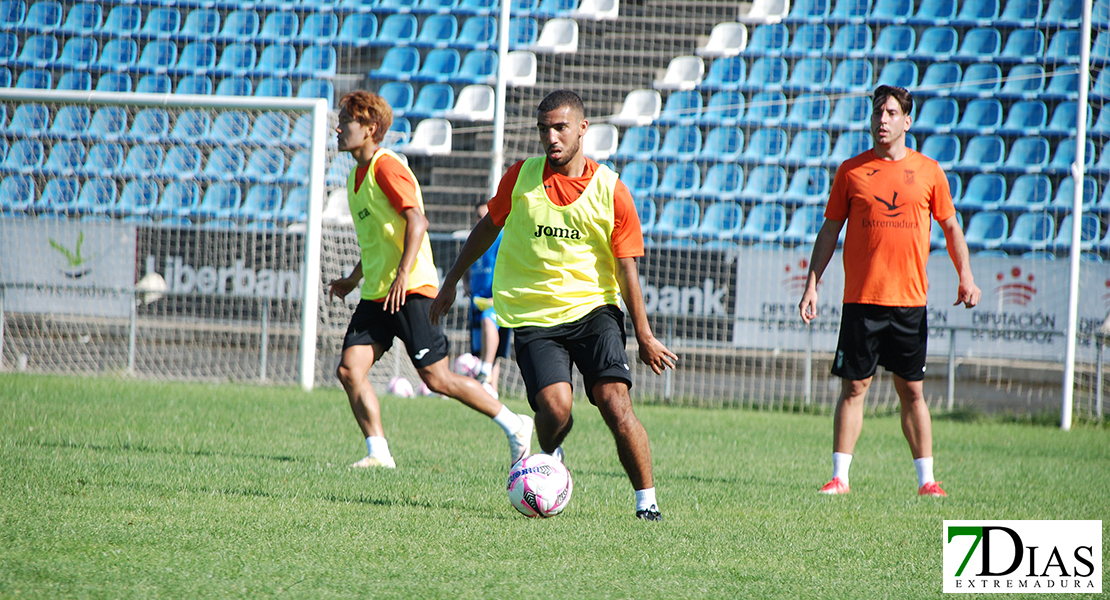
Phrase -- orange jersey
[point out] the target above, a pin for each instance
(627, 240)
(887, 205)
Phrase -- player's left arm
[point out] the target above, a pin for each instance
(652, 352)
(416, 225)
(968, 293)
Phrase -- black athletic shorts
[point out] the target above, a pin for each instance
(504, 335)
(594, 343)
(372, 324)
(895, 337)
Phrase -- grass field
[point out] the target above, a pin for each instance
(113, 489)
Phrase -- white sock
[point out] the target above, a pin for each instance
(487, 368)
(377, 447)
(509, 421)
(841, 463)
(924, 467)
(645, 499)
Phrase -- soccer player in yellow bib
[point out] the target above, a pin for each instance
(568, 256)
(399, 283)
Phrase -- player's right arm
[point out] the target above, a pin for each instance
(823, 248)
(345, 285)
(481, 238)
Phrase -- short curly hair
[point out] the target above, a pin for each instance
(368, 108)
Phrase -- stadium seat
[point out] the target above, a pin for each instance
(1065, 155)
(38, 51)
(850, 11)
(1064, 200)
(438, 31)
(237, 59)
(810, 39)
(641, 177)
(850, 113)
(765, 145)
(895, 42)
(680, 180)
(158, 56)
(555, 8)
(645, 211)
(117, 55)
(521, 68)
(295, 209)
(982, 80)
(1065, 118)
(766, 222)
(1063, 47)
(103, 160)
(150, 125)
(433, 100)
(802, 11)
(769, 39)
(98, 196)
(980, 116)
(982, 153)
(196, 58)
(230, 127)
(224, 163)
(764, 181)
(299, 168)
(726, 73)
(200, 24)
(478, 66)
(1064, 85)
(6, 79)
(987, 230)
(317, 88)
(35, 79)
(600, 141)
(476, 7)
(1029, 193)
(1090, 232)
(810, 147)
(399, 133)
(809, 185)
(722, 144)
(281, 26)
(161, 22)
(985, 191)
(12, 13)
(239, 26)
(440, 65)
(940, 79)
(679, 218)
(853, 75)
(269, 129)
(937, 12)
(397, 30)
(936, 44)
(808, 111)
(399, 95)
(640, 107)
(1027, 155)
(316, 62)
(358, 30)
(17, 193)
(722, 221)
(59, 195)
(937, 115)
(977, 13)
(955, 186)
(195, 84)
(274, 87)
(767, 73)
(138, 198)
(804, 225)
(235, 86)
(83, 19)
(9, 49)
(809, 75)
(1022, 45)
(430, 137)
(726, 39)
(43, 16)
(683, 73)
(936, 234)
(143, 160)
(723, 181)
(640, 142)
(765, 11)
(1020, 13)
(723, 108)
(24, 156)
(179, 199)
(477, 33)
(1026, 117)
(851, 41)
(682, 108)
(765, 109)
(262, 203)
(1023, 81)
(523, 32)
(318, 28)
(1063, 13)
(1032, 231)
(182, 162)
(70, 122)
(848, 144)
(276, 60)
(114, 82)
(474, 103)
(680, 143)
(979, 44)
(558, 36)
(899, 73)
(30, 120)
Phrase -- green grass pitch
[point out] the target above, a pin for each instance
(114, 489)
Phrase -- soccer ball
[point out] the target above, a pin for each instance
(399, 386)
(467, 364)
(424, 390)
(539, 486)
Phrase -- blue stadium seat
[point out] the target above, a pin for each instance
(1064, 119)
(896, 41)
(1032, 231)
(640, 142)
(810, 147)
(149, 125)
(853, 75)
(476, 7)
(899, 73)
(680, 180)
(98, 196)
(230, 127)
(478, 67)
(986, 230)
(555, 8)
(399, 95)
(433, 101)
(318, 28)
(1090, 232)
(955, 186)
(200, 24)
(397, 30)
(437, 31)
(979, 44)
(400, 132)
(808, 11)
(17, 193)
(118, 55)
(280, 26)
(765, 145)
(124, 21)
(1020, 13)
(276, 60)
(722, 221)
(224, 164)
(1064, 199)
(641, 177)
(358, 30)
(768, 39)
(1063, 13)
(299, 166)
(848, 144)
(645, 211)
(79, 53)
(235, 86)
(985, 191)
(981, 80)
(727, 73)
(195, 84)
(237, 59)
(1101, 126)
(29, 120)
(722, 144)
(765, 109)
(43, 16)
(980, 116)
(1023, 81)
(982, 153)
(84, 18)
(1065, 156)
(809, 185)
(851, 41)
(24, 156)
(808, 111)
(940, 79)
(1100, 49)
(262, 202)
(59, 195)
(682, 108)
(398, 5)
(936, 12)
(143, 160)
(181, 162)
(811, 39)
(723, 181)
(71, 122)
(295, 209)
(680, 143)
(317, 88)
(103, 160)
(114, 82)
(38, 51)
(1026, 117)
(274, 87)
(809, 75)
(398, 64)
(158, 56)
(196, 58)
(1022, 46)
(161, 22)
(764, 181)
(440, 65)
(239, 26)
(804, 225)
(1064, 85)
(268, 129)
(523, 32)
(850, 113)
(1063, 47)
(977, 13)
(6, 78)
(477, 33)
(179, 199)
(936, 234)
(767, 73)
(316, 62)
(1029, 193)
(937, 43)
(679, 218)
(850, 11)
(9, 49)
(138, 198)
(723, 108)
(35, 79)
(12, 13)
(1027, 155)
(766, 222)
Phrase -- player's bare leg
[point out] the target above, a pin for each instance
(553, 415)
(917, 425)
(848, 418)
(352, 370)
(633, 449)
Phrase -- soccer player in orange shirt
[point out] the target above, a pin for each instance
(886, 196)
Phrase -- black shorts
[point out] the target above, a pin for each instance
(504, 335)
(895, 337)
(594, 343)
(372, 324)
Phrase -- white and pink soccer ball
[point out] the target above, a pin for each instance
(467, 364)
(400, 387)
(539, 486)
(424, 390)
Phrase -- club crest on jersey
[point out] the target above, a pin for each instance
(907, 177)
(559, 232)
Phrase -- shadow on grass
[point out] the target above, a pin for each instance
(143, 448)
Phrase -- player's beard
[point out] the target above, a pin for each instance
(567, 154)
